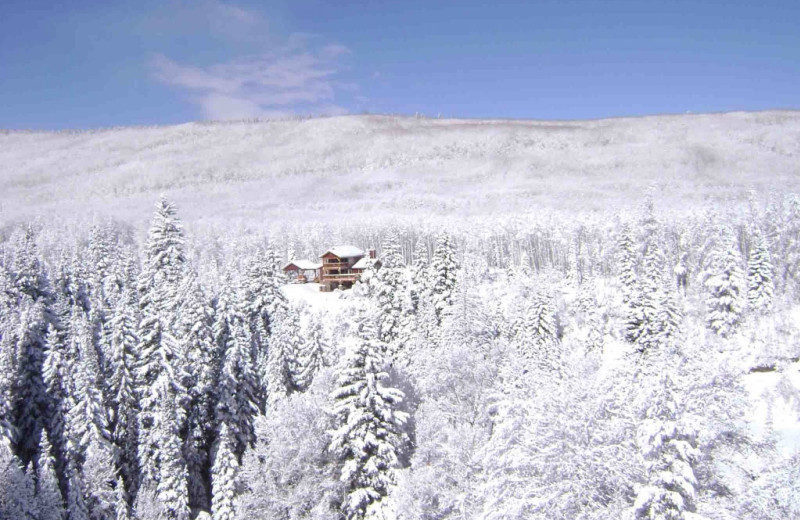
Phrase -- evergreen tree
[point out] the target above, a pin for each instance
(419, 275)
(726, 289)
(49, 500)
(314, 354)
(201, 353)
(122, 389)
(627, 263)
(282, 366)
(390, 290)
(443, 275)
(238, 388)
(538, 340)
(161, 372)
(171, 487)
(759, 274)
(368, 432)
(17, 500)
(670, 452)
(224, 477)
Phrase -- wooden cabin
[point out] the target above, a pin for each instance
(342, 266)
(302, 271)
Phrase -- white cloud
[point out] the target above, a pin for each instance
(295, 76)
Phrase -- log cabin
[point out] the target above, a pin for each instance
(341, 267)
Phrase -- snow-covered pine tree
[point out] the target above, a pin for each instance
(237, 390)
(420, 276)
(29, 399)
(17, 500)
(627, 262)
(171, 481)
(286, 343)
(201, 354)
(122, 390)
(368, 425)
(161, 372)
(223, 476)
(314, 354)
(390, 290)
(49, 500)
(726, 288)
(670, 450)
(443, 275)
(537, 340)
(759, 274)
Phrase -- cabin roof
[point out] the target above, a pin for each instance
(305, 265)
(344, 251)
(365, 263)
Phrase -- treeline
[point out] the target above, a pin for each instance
(511, 374)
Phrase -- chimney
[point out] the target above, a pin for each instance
(372, 253)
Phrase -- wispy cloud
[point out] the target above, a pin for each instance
(296, 75)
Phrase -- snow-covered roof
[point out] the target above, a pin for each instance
(305, 265)
(364, 263)
(344, 251)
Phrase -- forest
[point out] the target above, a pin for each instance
(640, 366)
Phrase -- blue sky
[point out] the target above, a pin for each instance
(85, 64)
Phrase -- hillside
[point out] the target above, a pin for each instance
(343, 167)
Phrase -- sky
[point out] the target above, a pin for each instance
(83, 64)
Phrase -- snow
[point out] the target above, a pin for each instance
(353, 168)
(309, 294)
(365, 263)
(304, 265)
(344, 251)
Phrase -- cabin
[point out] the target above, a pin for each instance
(342, 266)
(302, 271)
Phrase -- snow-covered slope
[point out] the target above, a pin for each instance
(350, 166)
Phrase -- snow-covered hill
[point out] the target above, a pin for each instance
(345, 167)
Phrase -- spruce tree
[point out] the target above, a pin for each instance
(390, 290)
(238, 388)
(726, 289)
(759, 275)
(443, 275)
(314, 354)
(223, 477)
(368, 432)
(122, 389)
(286, 343)
(670, 451)
(161, 372)
(49, 500)
(17, 500)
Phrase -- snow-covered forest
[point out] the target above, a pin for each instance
(639, 366)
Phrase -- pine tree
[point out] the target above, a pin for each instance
(759, 275)
(443, 275)
(49, 500)
(238, 388)
(726, 289)
(419, 275)
(538, 338)
(285, 345)
(160, 360)
(627, 263)
(17, 500)
(314, 354)
(392, 296)
(670, 452)
(201, 353)
(28, 397)
(171, 487)
(368, 430)
(223, 477)
(122, 390)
